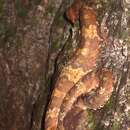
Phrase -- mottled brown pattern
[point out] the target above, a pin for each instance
(67, 107)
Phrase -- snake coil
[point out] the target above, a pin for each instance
(67, 107)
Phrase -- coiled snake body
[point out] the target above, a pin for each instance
(67, 107)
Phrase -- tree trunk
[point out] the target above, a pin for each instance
(36, 40)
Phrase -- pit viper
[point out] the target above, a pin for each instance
(67, 109)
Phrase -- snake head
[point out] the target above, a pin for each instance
(72, 12)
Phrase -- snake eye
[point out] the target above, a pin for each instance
(71, 15)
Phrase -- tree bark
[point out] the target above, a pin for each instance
(24, 42)
(36, 40)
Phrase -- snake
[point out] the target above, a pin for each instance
(67, 109)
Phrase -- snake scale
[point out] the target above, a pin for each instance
(67, 107)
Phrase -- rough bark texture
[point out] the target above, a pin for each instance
(35, 42)
(24, 42)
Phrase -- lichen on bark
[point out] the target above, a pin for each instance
(33, 33)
